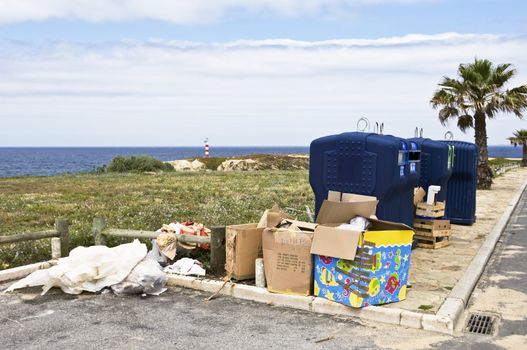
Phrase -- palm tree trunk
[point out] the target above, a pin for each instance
(524, 159)
(484, 170)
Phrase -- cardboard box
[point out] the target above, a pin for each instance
(339, 206)
(419, 195)
(288, 262)
(243, 244)
(359, 268)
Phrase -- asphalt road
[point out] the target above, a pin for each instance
(178, 319)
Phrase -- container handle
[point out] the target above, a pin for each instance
(449, 136)
(366, 124)
(381, 128)
(376, 128)
(416, 132)
(421, 133)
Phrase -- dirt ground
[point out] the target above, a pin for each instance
(433, 273)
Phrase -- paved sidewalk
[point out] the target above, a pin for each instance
(433, 273)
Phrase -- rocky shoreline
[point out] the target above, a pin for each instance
(247, 163)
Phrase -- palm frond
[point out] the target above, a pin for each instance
(446, 113)
(465, 122)
(519, 138)
(515, 101)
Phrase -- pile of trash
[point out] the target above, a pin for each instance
(125, 269)
(168, 244)
(166, 247)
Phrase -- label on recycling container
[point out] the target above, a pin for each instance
(401, 171)
(451, 156)
(413, 167)
(402, 158)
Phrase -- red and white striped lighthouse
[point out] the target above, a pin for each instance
(206, 147)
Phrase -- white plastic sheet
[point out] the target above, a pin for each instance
(87, 269)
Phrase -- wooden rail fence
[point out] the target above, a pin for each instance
(60, 240)
(216, 240)
(502, 169)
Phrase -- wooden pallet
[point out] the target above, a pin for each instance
(432, 228)
(432, 242)
(432, 211)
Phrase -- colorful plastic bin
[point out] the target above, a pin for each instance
(378, 274)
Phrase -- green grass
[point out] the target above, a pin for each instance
(138, 201)
(502, 161)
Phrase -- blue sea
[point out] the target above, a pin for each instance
(46, 161)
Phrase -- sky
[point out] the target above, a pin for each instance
(241, 72)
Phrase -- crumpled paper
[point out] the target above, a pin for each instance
(186, 266)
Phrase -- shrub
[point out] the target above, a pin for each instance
(139, 164)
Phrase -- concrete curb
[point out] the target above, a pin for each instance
(457, 300)
(23, 271)
(307, 303)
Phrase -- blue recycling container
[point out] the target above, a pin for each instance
(436, 164)
(460, 206)
(383, 166)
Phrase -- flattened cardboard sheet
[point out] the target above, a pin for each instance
(419, 195)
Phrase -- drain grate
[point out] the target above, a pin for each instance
(481, 324)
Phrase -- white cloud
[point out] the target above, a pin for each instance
(280, 92)
(176, 11)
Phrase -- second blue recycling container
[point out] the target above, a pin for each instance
(383, 166)
(437, 160)
(460, 207)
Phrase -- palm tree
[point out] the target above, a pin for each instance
(520, 138)
(478, 94)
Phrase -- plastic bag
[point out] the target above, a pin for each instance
(146, 278)
(358, 223)
(156, 255)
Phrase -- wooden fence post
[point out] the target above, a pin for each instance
(62, 227)
(98, 226)
(217, 250)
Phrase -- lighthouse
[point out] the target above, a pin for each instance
(206, 142)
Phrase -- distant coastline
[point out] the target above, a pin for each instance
(47, 161)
